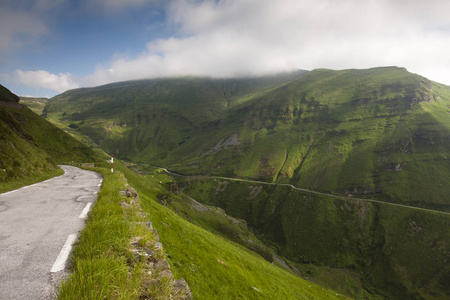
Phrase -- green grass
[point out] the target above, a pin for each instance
(31, 147)
(7, 96)
(35, 104)
(383, 250)
(210, 218)
(214, 267)
(100, 260)
(380, 133)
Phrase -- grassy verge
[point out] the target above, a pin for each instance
(215, 268)
(105, 262)
(99, 262)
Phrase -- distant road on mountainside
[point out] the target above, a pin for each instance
(38, 223)
(304, 190)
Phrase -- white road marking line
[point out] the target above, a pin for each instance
(60, 261)
(85, 211)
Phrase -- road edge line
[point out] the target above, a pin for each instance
(60, 261)
(85, 211)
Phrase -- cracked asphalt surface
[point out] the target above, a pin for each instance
(35, 222)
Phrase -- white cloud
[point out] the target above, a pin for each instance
(45, 80)
(248, 37)
(225, 38)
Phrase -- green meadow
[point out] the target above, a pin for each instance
(377, 134)
(31, 147)
(214, 267)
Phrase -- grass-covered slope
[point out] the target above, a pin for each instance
(401, 252)
(31, 147)
(214, 267)
(7, 96)
(35, 104)
(151, 118)
(379, 133)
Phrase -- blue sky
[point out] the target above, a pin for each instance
(49, 46)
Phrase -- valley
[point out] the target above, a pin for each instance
(376, 239)
(369, 133)
(205, 177)
(118, 253)
(341, 174)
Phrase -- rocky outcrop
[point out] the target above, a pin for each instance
(147, 250)
(224, 143)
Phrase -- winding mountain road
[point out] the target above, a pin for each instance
(306, 191)
(38, 223)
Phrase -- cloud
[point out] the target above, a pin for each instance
(226, 38)
(19, 29)
(25, 22)
(45, 80)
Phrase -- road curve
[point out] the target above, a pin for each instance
(35, 222)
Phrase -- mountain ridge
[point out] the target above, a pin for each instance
(380, 133)
(277, 133)
(31, 148)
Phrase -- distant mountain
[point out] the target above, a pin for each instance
(151, 118)
(35, 104)
(380, 133)
(30, 146)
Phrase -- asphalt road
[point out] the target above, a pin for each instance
(35, 222)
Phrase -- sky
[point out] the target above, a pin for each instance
(50, 46)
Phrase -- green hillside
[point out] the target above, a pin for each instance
(35, 104)
(214, 266)
(399, 252)
(103, 267)
(31, 147)
(7, 96)
(381, 133)
(150, 118)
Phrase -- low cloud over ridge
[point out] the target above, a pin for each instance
(233, 37)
